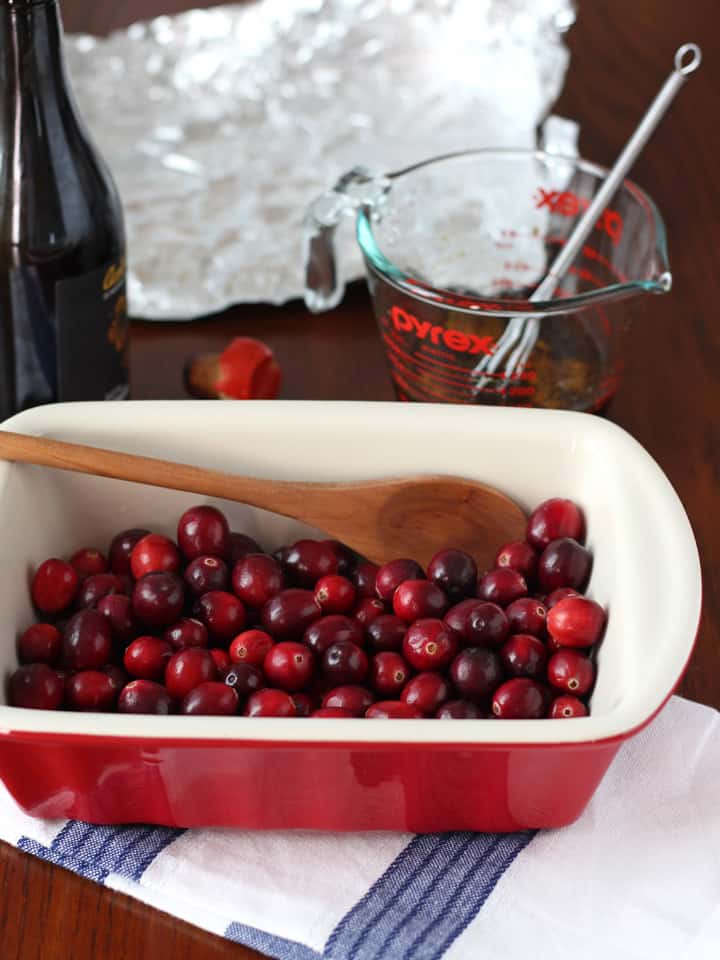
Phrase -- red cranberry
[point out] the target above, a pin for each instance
(97, 586)
(393, 710)
(221, 658)
(203, 530)
(418, 600)
(576, 622)
(210, 699)
(240, 546)
(187, 669)
(455, 572)
(386, 633)
(117, 609)
(564, 563)
(145, 696)
(476, 672)
(186, 632)
(344, 662)
(54, 586)
(571, 672)
(527, 616)
(309, 560)
(118, 676)
(250, 647)
(256, 578)
(204, 574)
(459, 710)
(331, 712)
(147, 658)
(41, 643)
(121, 547)
(518, 556)
(328, 630)
(389, 673)
(335, 594)
(223, 615)
(430, 645)
(88, 561)
(243, 678)
(304, 704)
(158, 599)
(351, 698)
(288, 614)
(87, 641)
(91, 690)
(562, 593)
(524, 656)
(426, 691)
(479, 623)
(554, 519)
(154, 553)
(36, 686)
(289, 666)
(519, 699)
(365, 578)
(345, 557)
(502, 586)
(392, 574)
(368, 610)
(270, 703)
(564, 707)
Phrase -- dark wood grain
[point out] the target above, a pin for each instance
(670, 399)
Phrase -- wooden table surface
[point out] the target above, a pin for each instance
(670, 399)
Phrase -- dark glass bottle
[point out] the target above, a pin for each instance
(63, 316)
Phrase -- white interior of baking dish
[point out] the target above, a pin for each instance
(646, 568)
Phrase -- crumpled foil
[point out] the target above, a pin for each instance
(221, 125)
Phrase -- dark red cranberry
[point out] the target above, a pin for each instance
(203, 530)
(204, 574)
(329, 630)
(459, 710)
(527, 615)
(364, 579)
(97, 586)
(344, 662)
(158, 599)
(335, 594)
(87, 641)
(118, 677)
(289, 613)
(210, 699)
(121, 547)
(368, 610)
(519, 556)
(270, 703)
(419, 600)
(571, 672)
(256, 578)
(281, 556)
(88, 561)
(304, 704)
(336, 712)
(476, 672)
(562, 593)
(222, 613)
(576, 622)
(154, 553)
(145, 696)
(221, 658)
(186, 632)
(524, 656)
(309, 560)
(502, 586)
(455, 572)
(393, 710)
(240, 546)
(564, 563)
(147, 658)
(289, 666)
(427, 691)
(430, 644)
(91, 690)
(389, 672)
(37, 686)
(250, 647)
(352, 698)
(519, 699)
(386, 633)
(117, 608)
(564, 707)
(40, 643)
(54, 586)
(554, 519)
(479, 623)
(345, 556)
(392, 574)
(187, 669)
(243, 678)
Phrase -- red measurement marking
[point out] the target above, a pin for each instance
(455, 340)
(444, 382)
(569, 204)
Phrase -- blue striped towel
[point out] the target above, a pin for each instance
(637, 876)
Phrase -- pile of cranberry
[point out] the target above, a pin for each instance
(212, 625)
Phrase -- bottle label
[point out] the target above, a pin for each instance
(92, 335)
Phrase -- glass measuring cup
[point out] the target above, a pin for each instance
(453, 248)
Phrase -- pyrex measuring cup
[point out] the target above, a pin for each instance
(453, 248)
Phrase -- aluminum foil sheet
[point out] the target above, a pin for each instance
(221, 125)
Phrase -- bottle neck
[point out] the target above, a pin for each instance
(31, 49)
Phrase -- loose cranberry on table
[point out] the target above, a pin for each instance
(240, 545)
(256, 578)
(250, 647)
(186, 632)
(335, 594)
(270, 703)
(187, 669)
(476, 672)
(565, 707)
(386, 633)
(87, 641)
(455, 572)
(576, 622)
(88, 561)
(392, 574)
(459, 710)
(54, 586)
(344, 663)
(519, 556)
(430, 644)
(147, 658)
(145, 696)
(154, 553)
(418, 600)
(243, 678)
(40, 643)
(289, 666)
(203, 531)
(37, 686)
(502, 586)
(553, 519)
(524, 656)
(368, 610)
(564, 563)
(571, 672)
(364, 579)
(245, 370)
(99, 585)
(478, 623)
(562, 593)
(527, 615)
(158, 599)
(389, 672)
(326, 631)
(211, 698)
(426, 691)
(393, 710)
(117, 608)
(352, 698)
(289, 613)
(308, 560)
(222, 613)
(122, 546)
(519, 699)
(91, 690)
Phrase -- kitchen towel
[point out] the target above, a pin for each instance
(637, 876)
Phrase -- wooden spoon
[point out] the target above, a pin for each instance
(381, 519)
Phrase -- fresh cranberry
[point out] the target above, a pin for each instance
(344, 662)
(309, 560)
(97, 586)
(429, 644)
(554, 519)
(240, 546)
(576, 622)
(223, 615)
(221, 658)
(270, 703)
(187, 669)
(304, 704)
(147, 658)
(479, 623)
(54, 586)
(389, 672)
(256, 578)
(502, 586)
(335, 594)
(37, 686)
(122, 546)
(571, 672)
(524, 656)
(368, 610)
(186, 632)
(288, 614)
(564, 563)
(476, 672)
(352, 698)
(117, 608)
(519, 556)
(393, 710)
(91, 690)
(145, 696)
(455, 572)
(87, 641)
(386, 633)
(211, 698)
(289, 666)
(426, 691)
(564, 707)
(40, 643)
(562, 593)
(519, 699)
(459, 710)
(527, 616)
(336, 712)
(418, 600)
(392, 574)
(243, 678)
(88, 561)
(365, 579)
(345, 557)
(204, 574)
(119, 677)
(154, 553)
(203, 530)
(158, 599)
(329, 630)
(250, 647)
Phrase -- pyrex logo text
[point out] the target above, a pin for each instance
(455, 340)
(569, 204)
